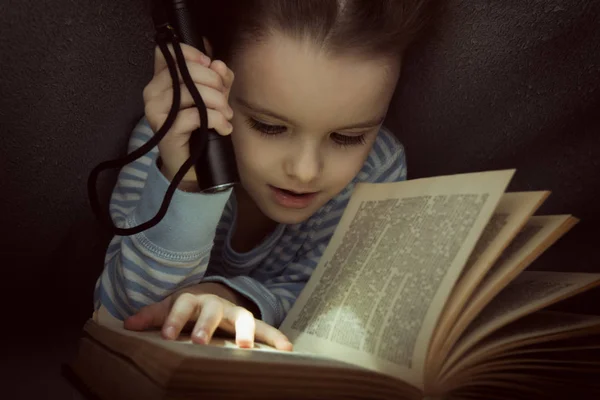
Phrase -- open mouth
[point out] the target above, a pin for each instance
(292, 199)
(293, 193)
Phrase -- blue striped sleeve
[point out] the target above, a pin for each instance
(145, 268)
(275, 297)
(387, 161)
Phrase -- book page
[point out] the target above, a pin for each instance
(539, 233)
(540, 326)
(534, 384)
(574, 358)
(104, 318)
(379, 288)
(529, 384)
(576, 361)
(184, 345)
(512, 213)
(539, 228)
(580, 339)
(210, 369)
(531, 291)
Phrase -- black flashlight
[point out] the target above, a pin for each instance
(216, 169)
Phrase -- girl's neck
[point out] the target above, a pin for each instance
(252, 226)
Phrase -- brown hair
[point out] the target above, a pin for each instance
(369, 28)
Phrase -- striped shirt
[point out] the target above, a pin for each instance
(192, 242)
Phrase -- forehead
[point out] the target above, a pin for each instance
(295, 79)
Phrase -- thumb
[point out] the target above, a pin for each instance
(152, 316)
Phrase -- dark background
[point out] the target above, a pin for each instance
(512, 84)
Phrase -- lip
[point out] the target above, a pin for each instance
(288, 200)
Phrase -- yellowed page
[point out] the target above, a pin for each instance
(210, 370)
(104, 318)
(184, 345)
(378, 291)
(582, 359)
(531, 291)
(519, 366)
(536, 326)
(510, 216)
(551, 381)
(539, 233)
(491, 388)
(578, 339)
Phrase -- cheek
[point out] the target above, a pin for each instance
(344, 166)
(253, 154)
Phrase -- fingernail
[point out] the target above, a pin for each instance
(205, 59)
(284, 344)
(245, 344)
(230, 112)
(201, 335)
(230, 128)
(170, 332)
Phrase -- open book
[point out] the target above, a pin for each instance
(421, 293)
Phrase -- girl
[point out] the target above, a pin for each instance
(313, 83)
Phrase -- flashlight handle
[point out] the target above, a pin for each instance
(216, 169)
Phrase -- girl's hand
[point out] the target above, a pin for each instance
(201, 303)
(213, 79)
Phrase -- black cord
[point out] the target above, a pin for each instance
(165, 33)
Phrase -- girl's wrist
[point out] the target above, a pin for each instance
(187, 184)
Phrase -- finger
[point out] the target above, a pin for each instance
(209, 320)
(245, 325)
(188, 120)
(239, 321)
(212, 98)
(224, 72)
(200, 75)
(273, 337)
(186, 308)
(190, 54)
(152, 316)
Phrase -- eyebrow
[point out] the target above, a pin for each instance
(361, 125)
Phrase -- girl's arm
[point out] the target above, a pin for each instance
(145, 268)
(275, 297)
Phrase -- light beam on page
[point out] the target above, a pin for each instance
(244, 330)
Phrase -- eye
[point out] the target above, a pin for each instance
(265, 128)
(345, 140)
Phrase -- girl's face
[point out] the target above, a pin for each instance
(304, 123)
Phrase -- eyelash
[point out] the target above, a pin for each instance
(265, 128)
(271, 130)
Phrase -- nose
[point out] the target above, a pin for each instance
(304, 162)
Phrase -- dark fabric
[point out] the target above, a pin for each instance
(512, 84)
(72, 76)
